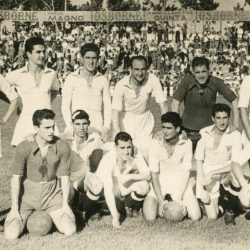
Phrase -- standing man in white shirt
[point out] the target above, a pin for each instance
(37, 86)
(130, 105)
(88, 90)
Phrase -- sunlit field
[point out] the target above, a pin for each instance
(135, 232)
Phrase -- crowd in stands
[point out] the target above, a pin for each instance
(169, 49)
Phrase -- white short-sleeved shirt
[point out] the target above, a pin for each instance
(78, 94)
(108, 167)
(160, 161)
(244, 93)
(230, 145)
(125, 99)
(33, 97)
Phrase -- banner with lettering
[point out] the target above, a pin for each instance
(123, 16)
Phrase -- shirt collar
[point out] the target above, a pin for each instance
(128, 80)
(52, 146)
(210, 84)
(77, 73)
(209, 130)
(70, 136)
(26, 70)
(180, 142)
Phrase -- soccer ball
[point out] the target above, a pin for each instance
(245, 199)
(173, 212)
(39, 223)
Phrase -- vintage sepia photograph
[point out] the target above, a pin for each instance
(124, 124)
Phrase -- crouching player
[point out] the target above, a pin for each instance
(125, 176)
(214, 153)
(83, 144)
(170, 164)
(40, 162)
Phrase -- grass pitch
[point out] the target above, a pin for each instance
(135, 233)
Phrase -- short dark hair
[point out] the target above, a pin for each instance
(122, 136)
(89, 47)
(139, 58)
(41, 114)
(221, 107)
(173, 118)
(200, 61)
(31, 42)
(79, 114)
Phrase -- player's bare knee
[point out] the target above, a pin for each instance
(196, 216)
(13, 230)
(213, 216)
(96, 185)
(150, 217)
(69, 226)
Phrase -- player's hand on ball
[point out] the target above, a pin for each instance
(105, 134)
(67, 210)
(161, 207)
(184, 207)
(13, 214)
(29, 138)
(116, 223)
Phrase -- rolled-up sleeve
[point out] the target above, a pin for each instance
(118, 97)
(244, 93)
(7, 89)
(157, 90)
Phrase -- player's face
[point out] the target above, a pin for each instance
(139, 70)
(37, 55)
(46, 130)
(124, 150)
(169, 131)
(221, 120)
(90, 61)
(201, 74)
(80, 127)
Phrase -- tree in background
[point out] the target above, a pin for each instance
(41, 5)
(199, 4)
(95, 5)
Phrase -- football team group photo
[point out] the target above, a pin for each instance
(125, 125)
